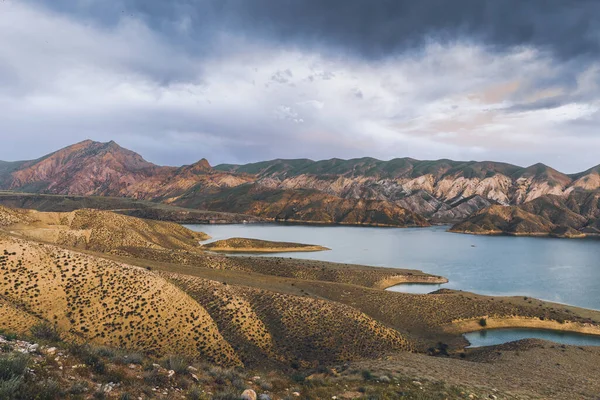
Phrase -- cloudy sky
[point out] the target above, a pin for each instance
(248, 80)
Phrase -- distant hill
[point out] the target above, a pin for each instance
(363, 191)
(548, 215)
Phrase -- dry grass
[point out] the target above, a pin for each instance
(104, 231)
(91, 299)
(287, 328)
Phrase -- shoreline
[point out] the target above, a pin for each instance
(425, 279)
(532, 234)
(462, 327)
(271, 250)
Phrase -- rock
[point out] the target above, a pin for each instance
(195, 377)
(170, 373)
(385, 379)
(296, 394)
(264, 396)
(33, 347)
(248, 394)
(51, 350)
(192, 369)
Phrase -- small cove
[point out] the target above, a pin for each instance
(492, 337)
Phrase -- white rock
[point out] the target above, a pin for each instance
(248, 394)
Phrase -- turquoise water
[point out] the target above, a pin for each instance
(498, 336)
(561, 270)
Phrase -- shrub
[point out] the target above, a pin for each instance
(105, 352)
(9, 336)
(298, 378)
(226, 395)
(266, 386)
(48, 390)
(10, 388)
(115, 375)
(89, 357)
(13, 366)
(127, 358)
(78, 388)
(483, 322)
(176, 363)
(155, 378)
(99, 395)
(196, 393)
(367, 375)
(45, 331)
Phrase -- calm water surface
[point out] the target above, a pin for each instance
(560, 270)
(498, 336)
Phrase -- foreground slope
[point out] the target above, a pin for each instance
(328, 326)
(91, 299)
(266, 324)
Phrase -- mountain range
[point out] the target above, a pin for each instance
(364, 191)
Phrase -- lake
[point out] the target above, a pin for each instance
(560, 270)
(493, 337)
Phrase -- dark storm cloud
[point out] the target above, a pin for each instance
(245, 80)
(371, 29)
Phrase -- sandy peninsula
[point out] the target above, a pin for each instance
(243, 245)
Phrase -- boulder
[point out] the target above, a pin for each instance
(248, 394)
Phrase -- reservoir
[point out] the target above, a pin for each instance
(560, 270)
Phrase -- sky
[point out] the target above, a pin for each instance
(238, 81)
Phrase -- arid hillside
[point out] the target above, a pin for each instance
(156, 294)
(99, 230)
(91, 299)
(307, 206)
(127, 305)
(121, 205)
(544, 216)
(365, 191)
